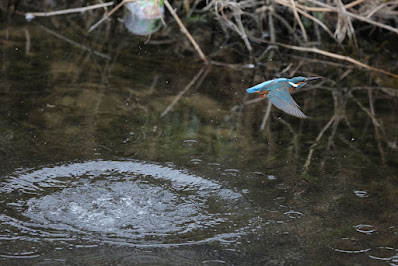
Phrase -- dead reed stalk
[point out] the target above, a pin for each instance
(328, 54)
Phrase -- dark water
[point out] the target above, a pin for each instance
(113, 158)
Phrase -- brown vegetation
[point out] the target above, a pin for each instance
(305, 26)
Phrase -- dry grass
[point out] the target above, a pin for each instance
(275, 22)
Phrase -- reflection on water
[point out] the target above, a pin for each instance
(257, 186)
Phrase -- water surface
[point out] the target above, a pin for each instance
(115, 159)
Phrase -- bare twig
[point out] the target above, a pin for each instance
(109, 14)
(329, 54)
(31, 15)
(296, 15)
(344, 25)
(325, 9)
(185, 31)
(285, 69)
(317, 21)
(377, 8)
(320, 61)
(352, 4)
(234, 10)
(362, 18)
(299, 10)
(347, 72)
(328, 8)
(242, 33)
(271, 33)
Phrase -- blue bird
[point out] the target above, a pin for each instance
(278, 92)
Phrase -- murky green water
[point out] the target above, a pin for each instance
(114, 159)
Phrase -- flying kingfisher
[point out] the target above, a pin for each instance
(278, 92)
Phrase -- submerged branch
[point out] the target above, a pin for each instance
(368, 112)
(312, 148)
(266, 115)
(181, 93)
(81, 46)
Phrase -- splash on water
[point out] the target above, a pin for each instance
(124, 202)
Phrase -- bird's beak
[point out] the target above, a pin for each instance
(310, 79)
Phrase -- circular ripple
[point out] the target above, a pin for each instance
(365, 228)
(350, 246)
(382, 253)
(126, 202)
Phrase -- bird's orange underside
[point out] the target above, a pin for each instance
(262, 93)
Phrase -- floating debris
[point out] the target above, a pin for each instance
(143, 17)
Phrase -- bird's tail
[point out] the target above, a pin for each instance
(254, 88)
(251, 90)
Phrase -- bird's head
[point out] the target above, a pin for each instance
(298, 82)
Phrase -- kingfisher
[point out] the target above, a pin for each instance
(278, 92)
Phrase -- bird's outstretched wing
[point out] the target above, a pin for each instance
(281, 98)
